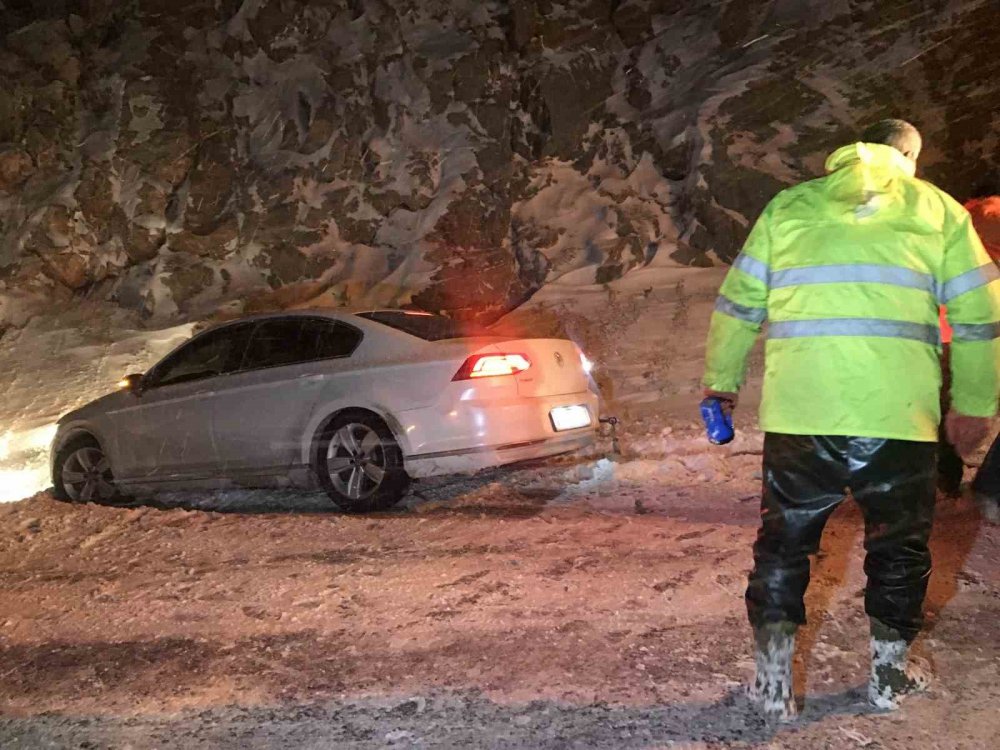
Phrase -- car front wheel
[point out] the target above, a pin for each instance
(83, 474)
(360, 464)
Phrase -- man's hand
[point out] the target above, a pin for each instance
(728, 399)
(965, 433)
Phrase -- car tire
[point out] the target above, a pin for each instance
(83, 474)
(360, 464)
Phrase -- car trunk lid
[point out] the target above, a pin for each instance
(556, 368)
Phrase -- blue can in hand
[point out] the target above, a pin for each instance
(718, 424)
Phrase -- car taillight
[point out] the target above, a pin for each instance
(492, 365)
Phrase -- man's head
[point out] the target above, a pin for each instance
(899, 134)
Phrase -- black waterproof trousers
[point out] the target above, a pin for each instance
(805, 479)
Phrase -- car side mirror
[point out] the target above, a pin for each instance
(132, 383)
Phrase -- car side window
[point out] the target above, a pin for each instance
(292, 341)
(213, 353)
(274, 343)
(331, 339)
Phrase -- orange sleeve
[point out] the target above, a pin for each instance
(985, 214)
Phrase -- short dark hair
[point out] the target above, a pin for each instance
(899, 134)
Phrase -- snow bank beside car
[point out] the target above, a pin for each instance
(55, 364)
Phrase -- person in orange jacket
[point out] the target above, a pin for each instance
(985, 213)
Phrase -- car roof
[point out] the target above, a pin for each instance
(323, 312)
(352, 317)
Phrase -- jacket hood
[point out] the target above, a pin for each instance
(865, 179)
(875, 156)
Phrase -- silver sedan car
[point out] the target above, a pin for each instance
(354, 403)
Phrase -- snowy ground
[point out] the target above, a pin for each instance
(585, 602)
(593, 601)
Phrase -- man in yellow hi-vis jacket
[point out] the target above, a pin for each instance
(848, 271)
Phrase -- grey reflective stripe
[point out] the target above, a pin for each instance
(753, 267)
(975, 331)
(864, 272)
(897, 329)
(968, 281)
(750, 314)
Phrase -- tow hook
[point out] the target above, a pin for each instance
(613, 421)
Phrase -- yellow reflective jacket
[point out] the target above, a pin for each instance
(848, 271)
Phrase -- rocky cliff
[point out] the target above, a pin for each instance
(182, 157)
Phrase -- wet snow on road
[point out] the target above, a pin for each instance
(593, 601)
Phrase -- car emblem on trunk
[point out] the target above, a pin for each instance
(559, 359)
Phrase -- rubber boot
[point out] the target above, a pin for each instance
(774, 647)
(894, 673)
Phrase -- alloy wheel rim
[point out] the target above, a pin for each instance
(356, 461)
(86, 476)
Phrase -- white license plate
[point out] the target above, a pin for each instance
(570, 417)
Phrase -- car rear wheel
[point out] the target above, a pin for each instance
(359, 463)
(83, 474)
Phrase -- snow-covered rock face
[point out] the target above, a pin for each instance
(176, 157)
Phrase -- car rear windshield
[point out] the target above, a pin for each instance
(424, 325)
